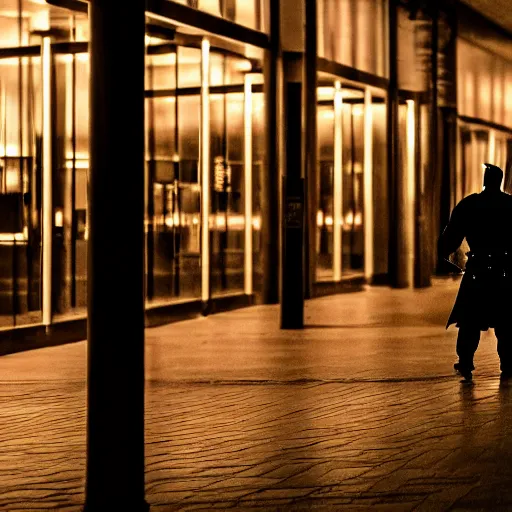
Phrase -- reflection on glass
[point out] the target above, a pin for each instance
(173, 263)
(189, 67)
(70, 178)
(325, 214)
(227, 178)
(20, 229)
(353, 191)
(258, 156)
(188, 198)
(380, 188)
(343, 125)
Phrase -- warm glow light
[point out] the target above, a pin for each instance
(12, 179)
(410, 188)
(256, 223)
(368, 185)
(326, 114)
(357, 110)
(358, 219)
(47, 181)
(247, 224)
(491, 157)
(12, 237)
(325, 93)
(9, 62)
(242, 65)
(205, 168)
(41, 21)
(59, 218)
(12, 150)
(320, 218)
(78, 164)
(79, 155)
(337, 183)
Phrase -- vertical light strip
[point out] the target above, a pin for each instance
(147, 193)
(47, 182)
(368, 184)
(248, 183)
(3, 132)
(337, 225)
(459, 185)
(492, 147)
(204, 155)
(476, 179)
(410, 190)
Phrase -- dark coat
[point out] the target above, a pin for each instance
(485, 294)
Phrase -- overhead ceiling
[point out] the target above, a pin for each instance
(499, 11)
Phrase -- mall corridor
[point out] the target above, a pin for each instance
(360, 410)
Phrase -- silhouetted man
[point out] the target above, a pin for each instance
(485, 294)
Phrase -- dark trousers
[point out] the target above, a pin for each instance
(467, 343)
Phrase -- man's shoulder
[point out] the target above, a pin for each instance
(467, 201)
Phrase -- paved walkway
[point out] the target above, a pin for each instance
(359, 411)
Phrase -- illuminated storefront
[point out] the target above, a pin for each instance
(406, 106)
(204, 159)
(351, 140)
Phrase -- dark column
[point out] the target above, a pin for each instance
(115, 373)
(433, 182)
(310, 86)
(270, 173)
(292, 273)
(392, 129)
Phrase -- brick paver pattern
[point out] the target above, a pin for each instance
(360, 411)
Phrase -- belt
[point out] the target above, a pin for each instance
(490, 261)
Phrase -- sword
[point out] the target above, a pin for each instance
(455, 268)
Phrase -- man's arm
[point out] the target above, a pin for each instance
(453, 233)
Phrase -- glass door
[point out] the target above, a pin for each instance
(173, 266)
(20, 190)
(340, 236)
(69, 176)
(325, 187)
(353, 183)
(235, 163)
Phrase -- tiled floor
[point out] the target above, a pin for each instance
(359, 411)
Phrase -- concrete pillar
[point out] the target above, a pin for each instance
(292, 259)
(115, 373)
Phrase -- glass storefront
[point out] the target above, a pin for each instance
(351, 144)
(44, 160)
(174, 172)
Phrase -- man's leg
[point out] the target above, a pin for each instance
(467, 343)
(504, 336)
